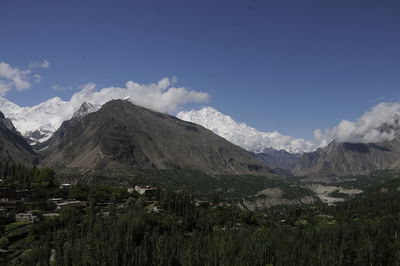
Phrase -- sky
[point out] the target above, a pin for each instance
(291, 66)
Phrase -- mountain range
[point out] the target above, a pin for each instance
(243, 135)
(37, 123)
(304, 158)
(120, 135)
(344, 159)
(278, 158)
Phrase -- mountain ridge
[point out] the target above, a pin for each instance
(122, 134)
(241, 134)
(346, 159)
(278, 158)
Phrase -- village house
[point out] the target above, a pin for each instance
(56, 200)
(144, 189)
(65, 185)
(156, 209)
(26, 217)
(74, 203)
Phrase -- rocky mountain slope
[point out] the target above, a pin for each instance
(56, 137)
(123, 135)
(342, 159)
(13, 146)
(278, 158)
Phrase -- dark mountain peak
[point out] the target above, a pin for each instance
(345, 158)
(121, 107)
(124, 135)
(13, 146)
(8, 123)
(119, 104)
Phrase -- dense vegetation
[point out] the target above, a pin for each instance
(119, 228)
(362, 231)
(19, 176)
(226, 187)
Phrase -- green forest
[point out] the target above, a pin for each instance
(361, 231)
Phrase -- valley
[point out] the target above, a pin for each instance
(199, 133)
(146, 179)
(78, 223)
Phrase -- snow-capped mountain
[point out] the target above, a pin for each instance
(246, 137)
(39, 122)
(85, 109)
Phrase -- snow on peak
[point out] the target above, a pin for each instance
(37, 123)
(85, 109)
(8, 105)
(240, 134)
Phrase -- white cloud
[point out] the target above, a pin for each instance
(58, 88)
(377, 125)
(45, 64)
(13, 78)
(374, 126)
(37, 78)
(18, 79)
(4, 88)
(162, 96)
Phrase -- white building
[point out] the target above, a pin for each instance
(142, 190)
(26, 217)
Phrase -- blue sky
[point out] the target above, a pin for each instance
(291, 66)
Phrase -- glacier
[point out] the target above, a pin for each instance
(37, 123)
(243, 135)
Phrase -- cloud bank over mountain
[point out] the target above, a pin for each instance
(377, 125)
(46, 117)
(161, 96)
